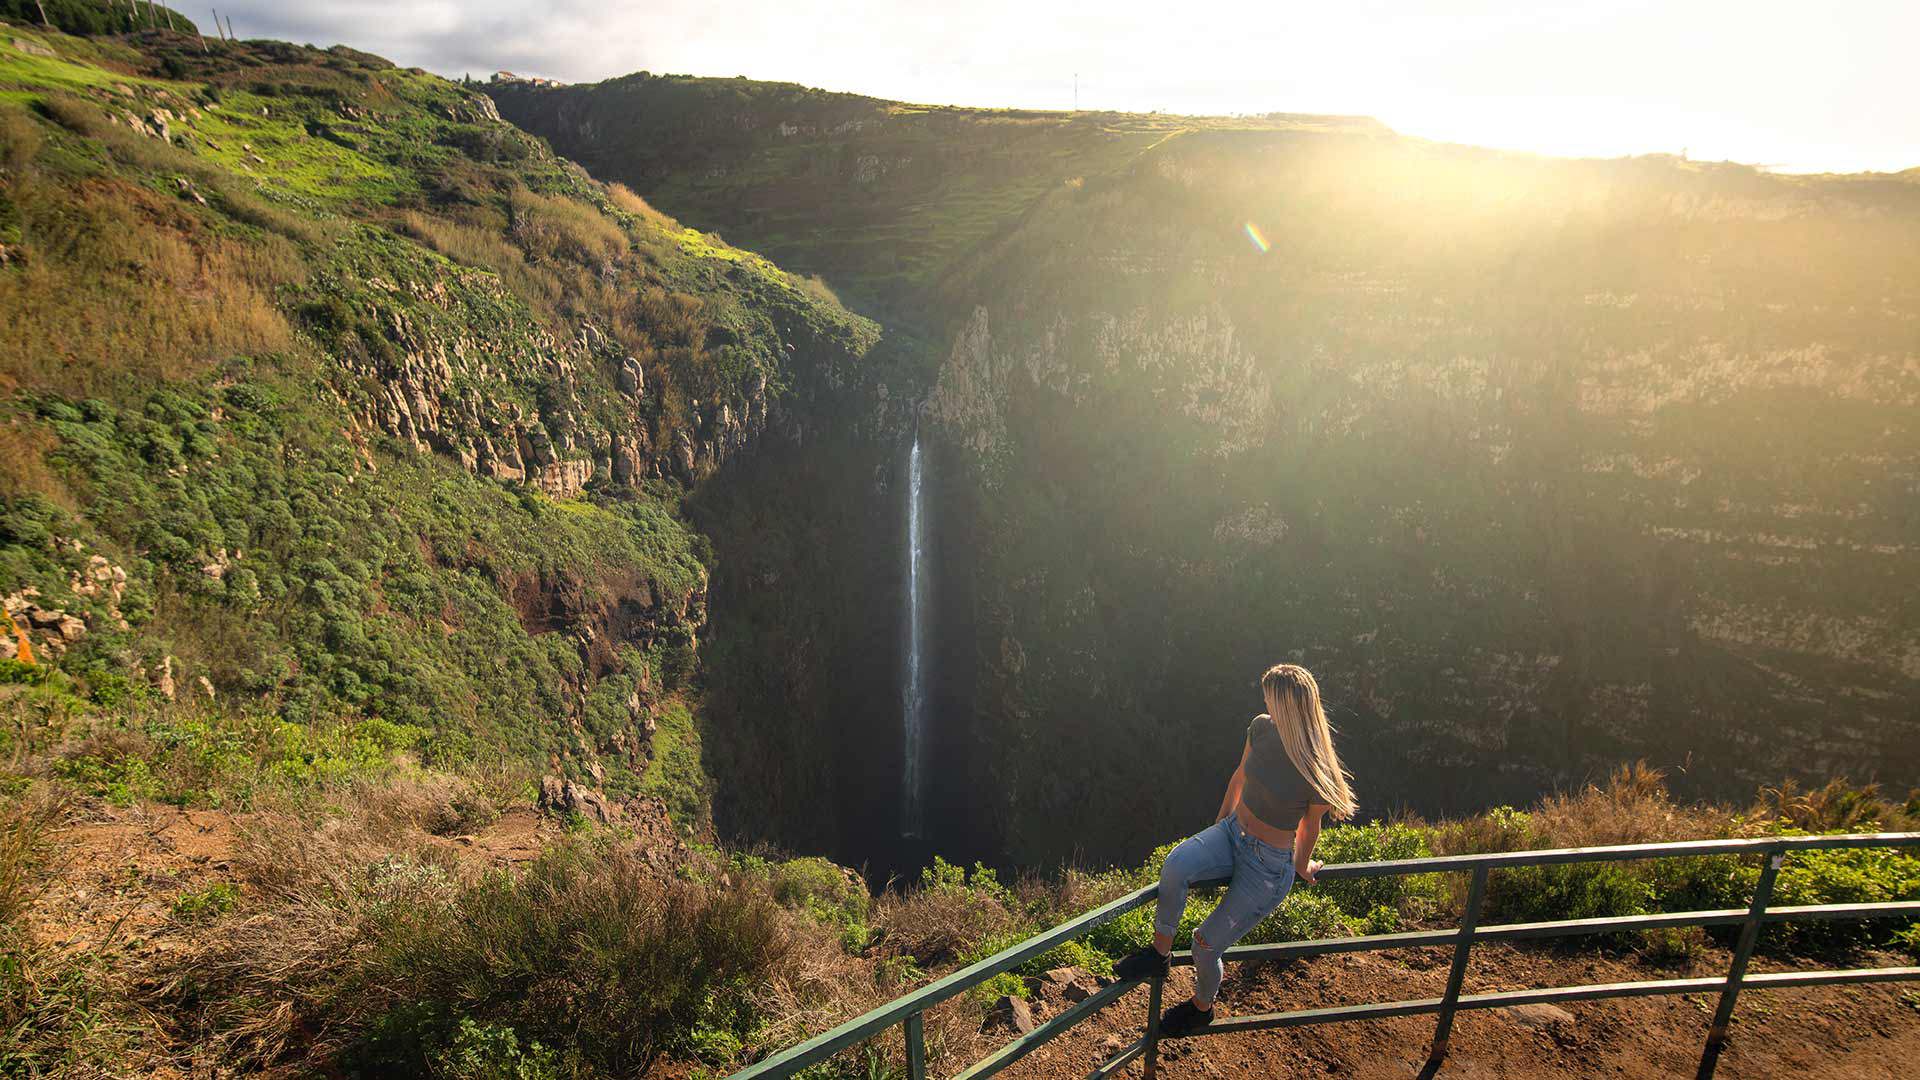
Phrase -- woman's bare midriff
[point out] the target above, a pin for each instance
(1282, 839)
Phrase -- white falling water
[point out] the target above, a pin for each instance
(914, 692)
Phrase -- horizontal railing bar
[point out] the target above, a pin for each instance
(1380, 1010)
(1118, 1061)
(1556, 928)
(1892, 909)
(1281, 950)
(1547, 857)
(830, 1042)
(1568, 927)
(1591, 992)
(1776, 980)
(1033, 1040)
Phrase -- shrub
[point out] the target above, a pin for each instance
(1412, 895)
(589, 948)
(1675, 946)
(1834, 807)
(951, 914)
(1500, 829)
(1305, 915)
(493, 1052)
(1909, 939)
(1568, 891)
(1844, 876)
(204, 905)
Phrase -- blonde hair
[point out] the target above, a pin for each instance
(1293, 701)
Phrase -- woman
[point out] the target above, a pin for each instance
(1289, 778)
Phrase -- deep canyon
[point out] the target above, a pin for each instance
(1541, 464)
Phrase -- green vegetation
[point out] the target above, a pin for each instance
(91, 17)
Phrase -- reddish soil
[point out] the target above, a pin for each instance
(1855, 1033)
(116, 873)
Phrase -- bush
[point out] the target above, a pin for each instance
(1411, 896)
(950, 915)
(1305, 915)
(589, 948)
(1569, 891)
(493, 1052)
(1675, 946)
(830, 894)
(1844, 876)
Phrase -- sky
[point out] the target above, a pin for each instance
(1793, 86)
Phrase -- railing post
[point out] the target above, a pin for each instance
(1469, 919)
(916, 1046)
(1742, 952)
(1152, 1057)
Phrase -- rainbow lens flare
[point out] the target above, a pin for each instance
(1259, 238)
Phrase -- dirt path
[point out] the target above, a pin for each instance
(1843, 1033)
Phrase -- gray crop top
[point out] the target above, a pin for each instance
(1275, 791)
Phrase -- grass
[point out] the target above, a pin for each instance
(255, 135)
(674, 773)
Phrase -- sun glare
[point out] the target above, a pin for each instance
(1259, 238)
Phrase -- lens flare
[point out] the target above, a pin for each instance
(1259, 238)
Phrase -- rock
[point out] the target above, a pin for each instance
(1076, 992)
(71, 629)
(165, 683)
(564, 796)
(564, 479)
(1541, 1016)
(1011, 1012)
(1061, 976)
(633, 378)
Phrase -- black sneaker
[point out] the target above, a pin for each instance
(1144, 963)
(1185, 1019)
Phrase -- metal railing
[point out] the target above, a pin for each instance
(907, 1011)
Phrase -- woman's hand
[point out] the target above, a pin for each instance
(1313, 868)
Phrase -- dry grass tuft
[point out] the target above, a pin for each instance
(627, 200)
(119, 282)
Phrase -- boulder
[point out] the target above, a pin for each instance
(1541, 1016)
(1011, 1012)
(566, 797)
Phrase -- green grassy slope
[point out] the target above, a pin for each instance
(329, 396)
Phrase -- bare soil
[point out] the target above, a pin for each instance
(1855, 1033)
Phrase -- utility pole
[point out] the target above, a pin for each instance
(222, 34)
(43, 14)
(1076, 91)
(230, 36)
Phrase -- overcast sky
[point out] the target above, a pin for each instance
(1784, 83)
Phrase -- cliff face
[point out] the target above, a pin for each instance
(329, 393)
(1538, 464)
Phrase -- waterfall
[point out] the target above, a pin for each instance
(914, 691)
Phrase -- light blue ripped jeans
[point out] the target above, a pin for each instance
(1262, 875)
